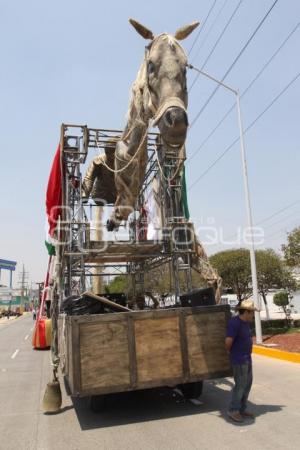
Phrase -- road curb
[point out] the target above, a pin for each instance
(12, 319)
(278, 354)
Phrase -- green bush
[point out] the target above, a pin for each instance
(281, 299)
(275, 326)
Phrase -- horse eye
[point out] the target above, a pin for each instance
(151, 67)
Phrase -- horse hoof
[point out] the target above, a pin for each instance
(110, 225)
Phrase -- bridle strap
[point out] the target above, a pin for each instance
(158, 112)
(169, 103)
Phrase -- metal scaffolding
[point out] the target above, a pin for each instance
(83, 257)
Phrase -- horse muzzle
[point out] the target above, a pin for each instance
(173, 125)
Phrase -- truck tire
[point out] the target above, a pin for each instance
(97, 403)
(191, 390)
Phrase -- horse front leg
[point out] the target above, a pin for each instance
(123, 207)
(113, 223)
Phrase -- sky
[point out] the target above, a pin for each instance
(74, 62)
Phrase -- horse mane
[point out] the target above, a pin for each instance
(139, 104)
(139, 98)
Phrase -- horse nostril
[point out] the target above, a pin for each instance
(169, 118)
(173, 117)
(181, 116)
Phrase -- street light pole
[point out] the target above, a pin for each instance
(247, 199)
(250, 225)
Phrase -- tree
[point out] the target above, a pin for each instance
(233, 267)
(289, 283)
(292, 249)
(270, 273)
(117, 285)
(158, 281)
(281, 299)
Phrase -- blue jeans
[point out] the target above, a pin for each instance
(242, 374)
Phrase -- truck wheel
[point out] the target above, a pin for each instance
(192, 390)
(97, 403)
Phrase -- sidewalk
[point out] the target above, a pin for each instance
(5, 320)
(277, 354)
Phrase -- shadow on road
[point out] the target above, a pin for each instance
(214, 388)
(162, 403)
(61, 411)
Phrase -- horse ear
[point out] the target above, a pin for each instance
(143, 31)
(185, 31)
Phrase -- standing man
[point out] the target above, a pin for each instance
(238, 343)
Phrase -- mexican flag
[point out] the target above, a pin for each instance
(53, 201)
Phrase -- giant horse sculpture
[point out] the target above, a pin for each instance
(159, 97)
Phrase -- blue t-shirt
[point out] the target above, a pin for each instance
(241, 349)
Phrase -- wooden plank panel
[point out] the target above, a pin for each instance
(132, 351)
(76, 357)
(158, 350)
(205, 336)
(125, 247)
(155, 314)
(184, 346)
(70, 364)
(97, 319)
(104, 355)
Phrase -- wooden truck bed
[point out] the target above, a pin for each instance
(141, 349)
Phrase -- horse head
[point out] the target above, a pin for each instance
(164, 74)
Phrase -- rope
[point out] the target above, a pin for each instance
(160, 111)
(133, 157)
(177, 168)
(171, 101)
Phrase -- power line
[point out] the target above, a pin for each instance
(234, 62)
(245, 91)
(227, 238)
(211, 27)
(216, 43)
(202, 27)
(266, 237)
(283, 229)
(277, 212)
(246, 130)
(221, 246)
(282, 220)
(271, 225)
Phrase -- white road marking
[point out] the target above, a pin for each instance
(15, 354)
(3, 370)
(26, 337)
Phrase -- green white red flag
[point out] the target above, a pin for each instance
(53, 201)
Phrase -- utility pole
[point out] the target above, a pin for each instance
(258, 331)
(40, 290)
(23, 282)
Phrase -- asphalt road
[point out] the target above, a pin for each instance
(156, 419)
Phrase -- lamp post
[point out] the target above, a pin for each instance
(247, 199)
